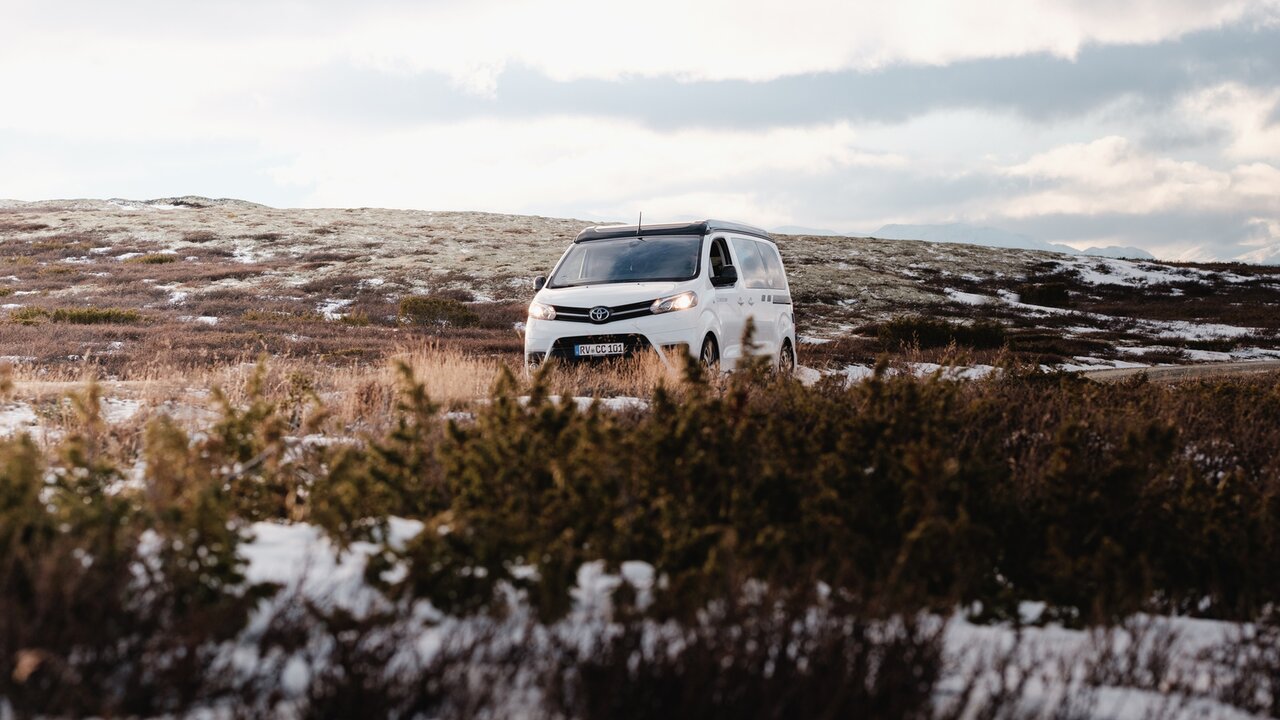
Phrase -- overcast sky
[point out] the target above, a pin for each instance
(1153, 123)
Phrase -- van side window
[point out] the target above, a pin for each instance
(719, 256)
(750, 266)
(773, 266)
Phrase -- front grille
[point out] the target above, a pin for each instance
(563, 348)
(616, 312)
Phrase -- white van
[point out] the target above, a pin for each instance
(676, 288)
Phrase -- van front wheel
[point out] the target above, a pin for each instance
(710, 355)
(787, 360)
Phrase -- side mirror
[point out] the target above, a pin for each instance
(539, 282)
(727, 277)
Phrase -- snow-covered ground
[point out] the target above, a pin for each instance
(18, 417)
(1152, 329)
(856, 373)
(1106, 271)
(1053, 667)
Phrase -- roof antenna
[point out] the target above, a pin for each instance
(639, 222)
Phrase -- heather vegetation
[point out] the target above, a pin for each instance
(35, 315)
(926, 332)
(806, 544)
(154, 259)
(436, 312)
(219, 281)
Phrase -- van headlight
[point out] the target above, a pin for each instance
(540, 311)
(683, 301)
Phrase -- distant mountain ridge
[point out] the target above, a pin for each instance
(972, 235)
(801, 230)
(995, 237)
(1120, 251)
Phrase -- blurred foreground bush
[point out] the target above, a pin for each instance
(870, 501)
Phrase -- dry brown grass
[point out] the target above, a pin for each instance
(635, 377)
(456, 379)
(358, 397)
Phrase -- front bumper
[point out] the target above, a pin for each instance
(558, 339)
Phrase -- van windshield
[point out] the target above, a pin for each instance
(630, 259)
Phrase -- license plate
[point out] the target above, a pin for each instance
(594, 349)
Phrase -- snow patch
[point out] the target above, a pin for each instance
(330, 308)
(118, 410)
(17, 418)
(301, 557)
(613, 404)
(965, 298)
(858, 373)
(807, 375)
(202, 319)
(1106, 271)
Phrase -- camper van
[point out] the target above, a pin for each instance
(676, 289)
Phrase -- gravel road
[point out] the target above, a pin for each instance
(1175, 373)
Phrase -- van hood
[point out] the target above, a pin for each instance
(612, 295)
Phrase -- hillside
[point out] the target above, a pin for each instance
(202, 280)
(286, 495)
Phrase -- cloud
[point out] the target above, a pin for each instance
(740, 39)
(1111, 175)
(471, 40)
(1079, 120)
(1247, 114)
(570, 164)
(163, 86)
(41, 166)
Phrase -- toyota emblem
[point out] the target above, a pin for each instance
(599, 313)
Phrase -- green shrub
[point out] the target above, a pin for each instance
(30, 315)
(154, 259)
(914, 330)
(903, 492)
(1048, 294)
(436, 311)
(897, 494)
(114, 599)
(355, 319)
(94, 315)
(715, 487)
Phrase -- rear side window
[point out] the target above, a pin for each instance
(773, 266)
(750, 267)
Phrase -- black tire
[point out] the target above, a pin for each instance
(710, 354)
(787, 360)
